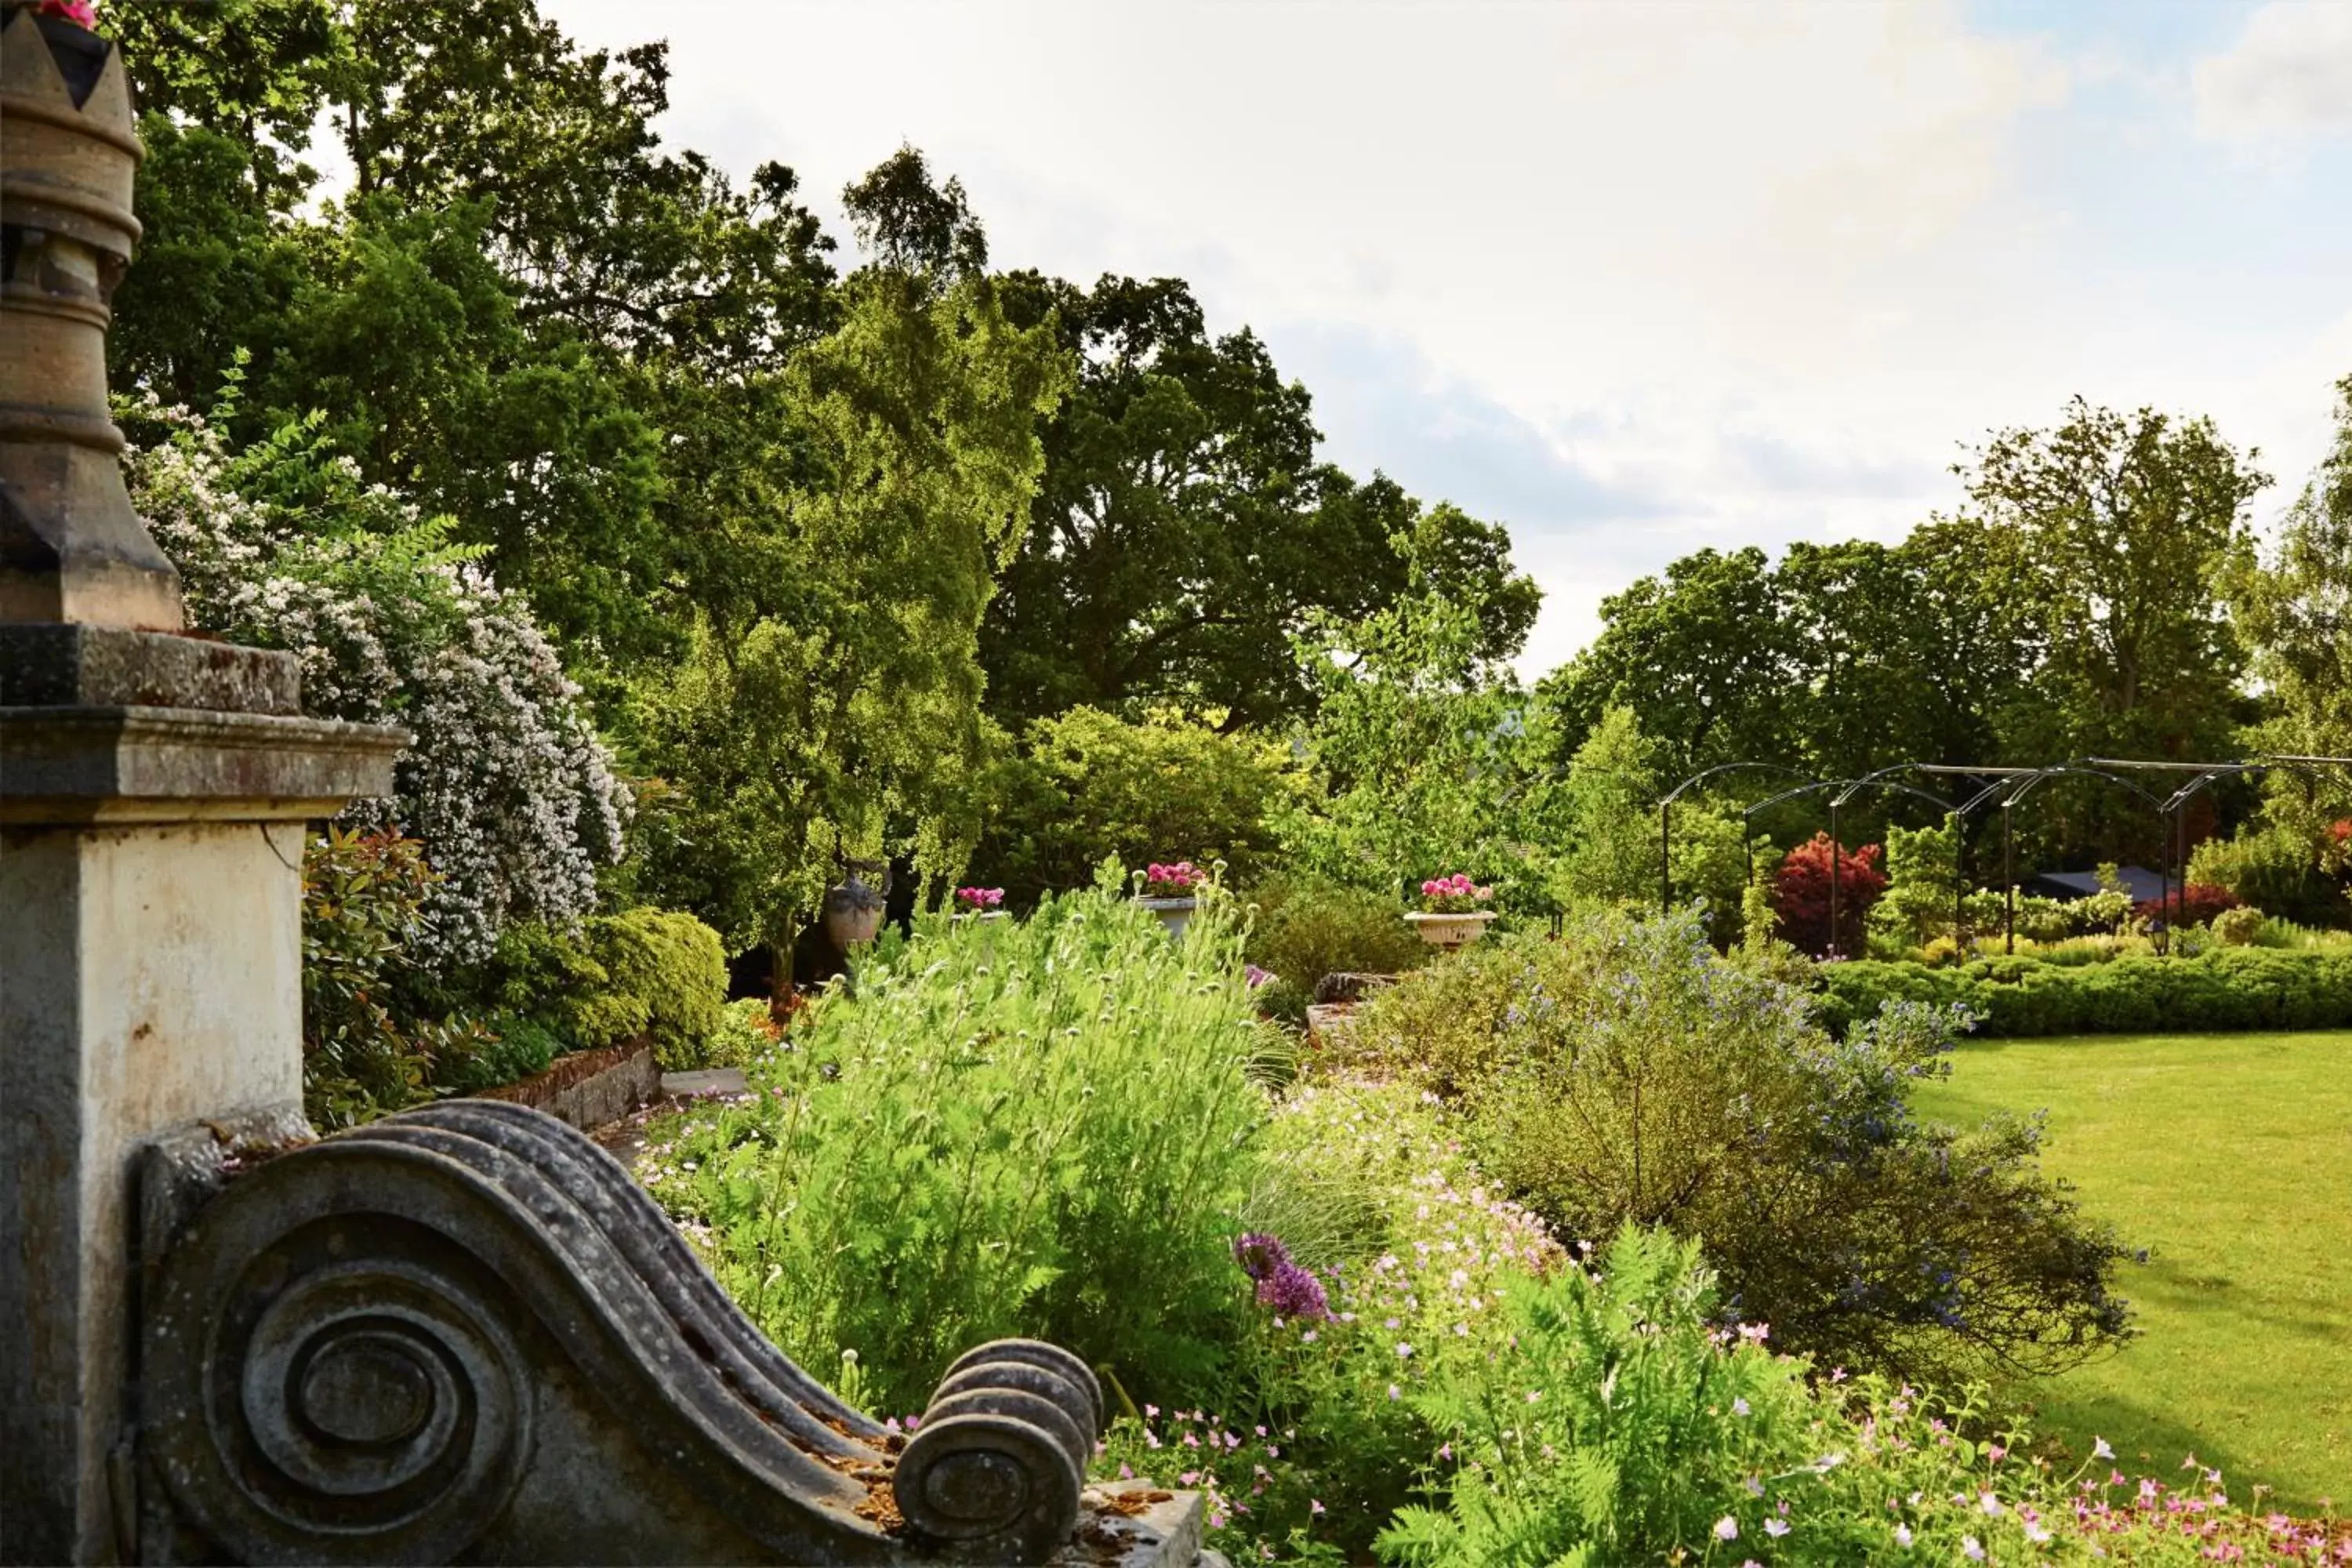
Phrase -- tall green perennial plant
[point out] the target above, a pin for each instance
(1039, 1127)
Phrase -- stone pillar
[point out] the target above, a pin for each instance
(154, 791)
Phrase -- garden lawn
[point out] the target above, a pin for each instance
(2229, 1158)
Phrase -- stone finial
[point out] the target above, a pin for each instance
(72, 549)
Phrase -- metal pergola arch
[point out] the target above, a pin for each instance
(2009, 786)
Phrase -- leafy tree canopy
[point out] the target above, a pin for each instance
(1185, 532)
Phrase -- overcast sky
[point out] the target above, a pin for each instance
(1632, 279)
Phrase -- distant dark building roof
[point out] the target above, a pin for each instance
(2140, 883)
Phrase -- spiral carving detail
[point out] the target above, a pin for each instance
(465, 1332)
(345, 1408)
(997, 1465)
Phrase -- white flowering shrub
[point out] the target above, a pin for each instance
(282, 545)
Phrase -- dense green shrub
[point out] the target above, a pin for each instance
(1307, 927)
(2274, 867)
(2239, 927)
(1620, 1424)
(366, 1052)
(536, 971)
(747, 1031)
(1039, 1127)
(1922, 887)
(519, 1047)
(2220, 989)
(643, 971)
(1089, 785)
(667, 978)
(1624, 1073)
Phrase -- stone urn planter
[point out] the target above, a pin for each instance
(853, 911)
(1173, 913)
(1170, 892)
(1451, 931)
(978, 904)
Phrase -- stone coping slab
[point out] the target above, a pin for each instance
(58, 665)
(130, 765)
(589, 1088)
(1134, 1524)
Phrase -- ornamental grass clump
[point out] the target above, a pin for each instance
(1037, 1126)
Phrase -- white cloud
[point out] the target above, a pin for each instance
(1632, 278)
(2288, 75)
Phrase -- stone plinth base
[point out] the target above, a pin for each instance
(1135, 1525)
(150, 977)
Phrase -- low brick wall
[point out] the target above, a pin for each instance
(589, 1088)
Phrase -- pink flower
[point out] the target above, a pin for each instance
(80, 13)
(1726, 1529)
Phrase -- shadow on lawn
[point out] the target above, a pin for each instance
(2147, 1442)
(2180, 1288)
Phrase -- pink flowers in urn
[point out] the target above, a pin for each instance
(1453, 895)
(80, 13)
(978, 901)
(1180, 881)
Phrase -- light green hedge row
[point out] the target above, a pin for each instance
(2226, 989)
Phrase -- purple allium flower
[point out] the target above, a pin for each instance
(1260, 1255)
(1283, 1285)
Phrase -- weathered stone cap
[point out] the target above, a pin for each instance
(53, 665)
(1133, 1524)
(129, 764)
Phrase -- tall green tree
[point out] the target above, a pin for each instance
(523, 313)
(1704, 656)
(2131, 525)
(1185, 532)
(2294, 608)
(1911, 652)
(841, 714)
(1431, 756)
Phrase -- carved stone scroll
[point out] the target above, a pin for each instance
(464, 1333)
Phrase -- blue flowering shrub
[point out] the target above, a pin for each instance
(1625, 1074)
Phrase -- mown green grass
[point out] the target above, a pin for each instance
(2229, 1158)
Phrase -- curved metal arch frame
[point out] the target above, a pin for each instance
(2009, 786)
(1665, 821)
(2009, 791)
(2207, 774)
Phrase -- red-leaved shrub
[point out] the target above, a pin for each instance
(1800, 895)
(2194, 905)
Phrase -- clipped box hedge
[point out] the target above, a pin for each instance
(2221, 989)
